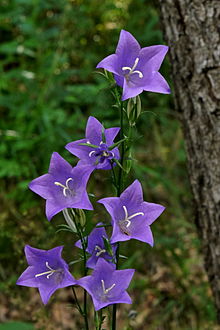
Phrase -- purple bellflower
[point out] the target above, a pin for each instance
(135, 69)
(63, 187)
(106, 285)
(131, 216)
(47, 271)
(96, 247)
(99, 156)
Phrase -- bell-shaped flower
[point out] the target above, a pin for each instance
(63, 187)
(136, 69)
(98, 246)
(106, 285)
(47, 271)
(131, 216)
(95, 150)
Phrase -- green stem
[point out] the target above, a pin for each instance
(119, 191)
(79, 232)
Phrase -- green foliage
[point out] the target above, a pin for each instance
(49, 50)
(16, 326)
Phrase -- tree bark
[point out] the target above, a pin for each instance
(192, 31)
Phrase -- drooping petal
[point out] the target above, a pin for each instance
(143, 234)
(152, 56)
(109, 63)
(130, 90)
(52, 208)
(46, 292)
(157, 84)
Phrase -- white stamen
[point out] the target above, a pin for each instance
(88, 142)
(132, 70)
(107, 290)
(101, 142)
(100, 251)
(48, 273)
(65, 187)
(128, 218)
(91, 153)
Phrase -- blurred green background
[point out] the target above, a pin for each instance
(48, 53)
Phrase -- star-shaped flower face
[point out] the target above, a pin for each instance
(97, 248)
(63, 186)
(99, 156)
(136, 69)
(131, 216)
(106, 285)
(47, 271)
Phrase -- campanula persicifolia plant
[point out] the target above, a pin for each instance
(135, 70)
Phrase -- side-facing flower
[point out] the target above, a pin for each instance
(99, 156)
(63, 187)
(106, 285)
(47, 271)
(97, 248)
(135, 69)
(131, 216)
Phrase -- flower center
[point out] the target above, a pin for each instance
(106, 291)
(100, 250)
(49, 273)
(125, 223)
(132, 70)
(101, 153)
(65, 187)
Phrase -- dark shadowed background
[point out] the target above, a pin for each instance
(49, 86)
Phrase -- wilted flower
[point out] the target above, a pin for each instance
(135, 69)
(98, 246)
(106, 285)
(131, 216)
(94, 149)
(63, 187)
(47, 271)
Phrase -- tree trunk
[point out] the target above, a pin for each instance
(192, 31)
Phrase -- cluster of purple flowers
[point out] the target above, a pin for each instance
(64, 187)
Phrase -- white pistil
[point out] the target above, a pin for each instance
(100, 251)
(107, 290)
(65, 187)
(128, 218)
(132, 70)
(48, 273)
(91, 153)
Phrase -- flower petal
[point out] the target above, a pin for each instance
(130, 90)
(133, 194)
(94, 131)
(110, 134)
(58, 164)
(157, 84)
(153, 56)
(127, 49)
(152, 211)
(110, 63)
